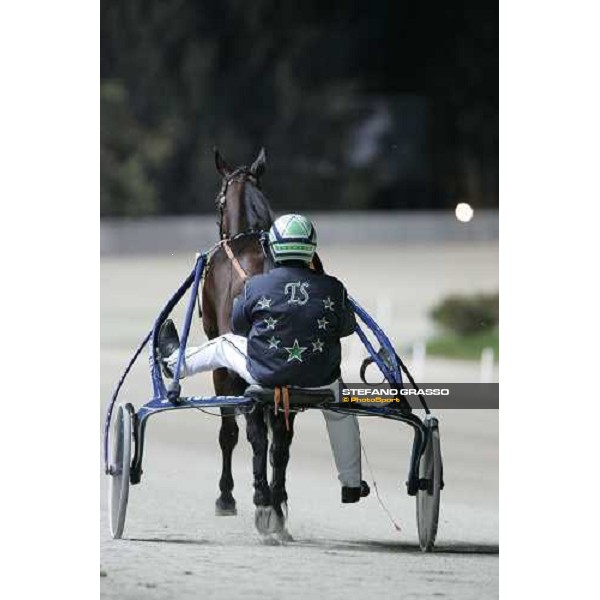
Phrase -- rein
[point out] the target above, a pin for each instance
(233, 258)
(315, 264)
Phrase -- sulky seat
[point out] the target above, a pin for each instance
(298, 395)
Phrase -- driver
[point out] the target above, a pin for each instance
(286, 328)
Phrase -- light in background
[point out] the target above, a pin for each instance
(463, 212)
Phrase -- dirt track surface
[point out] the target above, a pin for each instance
(175, 546)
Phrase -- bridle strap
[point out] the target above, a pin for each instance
(234, 261)
(240, 174)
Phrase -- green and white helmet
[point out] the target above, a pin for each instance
(292, 237)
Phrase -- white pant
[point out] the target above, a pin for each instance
(230, 351)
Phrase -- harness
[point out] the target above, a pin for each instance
(233, 258)
(225, 244)
(239, 175)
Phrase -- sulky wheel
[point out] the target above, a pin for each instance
(120, 463)
(430, 485)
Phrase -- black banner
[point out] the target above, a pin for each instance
(436, 395)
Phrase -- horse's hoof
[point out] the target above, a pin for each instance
(263, 516)
(271, 522)
(225, 507)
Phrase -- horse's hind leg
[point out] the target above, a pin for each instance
(265, 519)
(228, 438)
(256, 432)
(280, 455)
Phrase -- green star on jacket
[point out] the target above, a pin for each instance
(295, 352)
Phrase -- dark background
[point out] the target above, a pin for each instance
(370, 105)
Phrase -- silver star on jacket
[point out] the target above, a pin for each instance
(317, 346)
(328, 303)
(264, 303)
(322, 323)
(270, 322)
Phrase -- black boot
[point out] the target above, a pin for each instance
(365, 490)
(354, 494)
(168, 342)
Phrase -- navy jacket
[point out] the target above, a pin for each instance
(293, 319)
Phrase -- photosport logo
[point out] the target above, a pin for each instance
(435, 395)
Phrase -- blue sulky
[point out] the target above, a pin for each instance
(169, 398)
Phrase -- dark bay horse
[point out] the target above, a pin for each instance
(243, 209)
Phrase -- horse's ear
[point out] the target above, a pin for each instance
(222, 166)
(259, 165)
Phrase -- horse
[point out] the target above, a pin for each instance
(243, 215)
